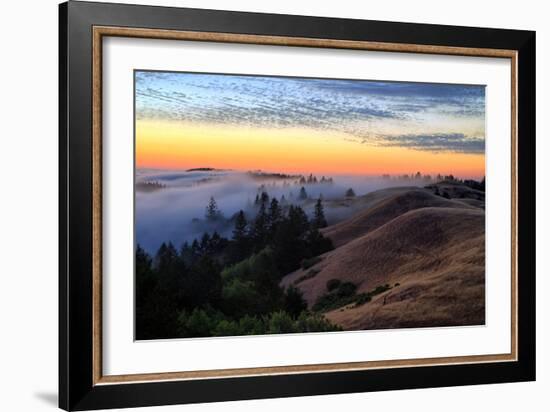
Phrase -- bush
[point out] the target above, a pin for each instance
(239, 297)
(281, 322)
(333, 284)
(341, 296)
(346, 289)
(362, 299)
(198, 323)
(294, 302)
(380, 289)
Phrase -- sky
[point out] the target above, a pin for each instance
(303, 125)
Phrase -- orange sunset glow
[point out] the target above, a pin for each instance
(293, 125)
(176, 145)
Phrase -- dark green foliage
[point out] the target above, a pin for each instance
(294, 302)
(350, 193)
(260, 228)
(212, 211)
(380, 289)
(342, 295)
(333, 284)
(219, 287)
(241, 242)
(203, 285)
(208, 322)
(474, 184)
(319, 220)
(261, 272)
(274, 216)
(362, 298)
(317, 243)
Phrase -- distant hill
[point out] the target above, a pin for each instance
(204, 169)
(419, 257)
(389, 205)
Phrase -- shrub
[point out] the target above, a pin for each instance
(281, 322)
(380, 289)
(294, 302)
(362, 299)
(341, 296)
(333, 284)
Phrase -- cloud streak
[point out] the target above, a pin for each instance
(440, 142)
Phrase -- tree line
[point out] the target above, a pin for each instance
(218, 286)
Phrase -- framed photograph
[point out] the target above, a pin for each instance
(256, 205)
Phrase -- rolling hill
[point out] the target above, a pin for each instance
(424, 255)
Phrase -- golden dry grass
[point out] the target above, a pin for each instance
(435, 253)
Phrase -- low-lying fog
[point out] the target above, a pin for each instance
(171, 206)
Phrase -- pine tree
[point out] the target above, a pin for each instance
(303, 194)
(264, 198)
(239, 247)
(274, 215)
(239, 232)
(350, 192)
(212, 211)
(319, 220)
(259, 228)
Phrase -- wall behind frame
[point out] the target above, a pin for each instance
(28, 218)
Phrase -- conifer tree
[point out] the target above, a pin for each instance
(239, 232)
(319, 220)
(274, 214)
(212, 211)
(350, 192)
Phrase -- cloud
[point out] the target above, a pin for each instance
(436, 142)
(349, 107)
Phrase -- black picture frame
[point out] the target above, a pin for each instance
(77, 390)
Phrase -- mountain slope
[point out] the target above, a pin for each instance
(385, 210)
(433, 258)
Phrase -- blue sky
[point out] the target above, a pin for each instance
(418, 116)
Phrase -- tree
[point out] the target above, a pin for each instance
(303, 193)
(264, 198)
(212, 211)
(239, 232)
(319, 220)
(294, 302)
(274, 215)
(298, 219)
(260, 228)
(317, 244)
(350, 193)
(239, 248)
(204, 284)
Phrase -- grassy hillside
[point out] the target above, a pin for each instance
(412, 259)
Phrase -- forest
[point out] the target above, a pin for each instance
(230, 286)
